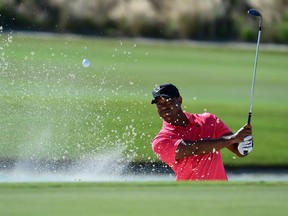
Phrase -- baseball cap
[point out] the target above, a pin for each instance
(165, 90)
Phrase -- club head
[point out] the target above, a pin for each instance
(254, 12)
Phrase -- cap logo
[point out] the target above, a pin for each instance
(157, 89)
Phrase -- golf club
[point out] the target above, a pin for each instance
(256, 13)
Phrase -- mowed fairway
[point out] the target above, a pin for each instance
(159, 199)
(52, 107)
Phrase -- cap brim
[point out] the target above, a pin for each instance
(162, 95)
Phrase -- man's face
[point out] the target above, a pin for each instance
(168, 108)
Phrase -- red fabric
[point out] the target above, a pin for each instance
(200, 167)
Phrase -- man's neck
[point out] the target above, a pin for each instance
(181, 120)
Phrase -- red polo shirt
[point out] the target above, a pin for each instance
(201, 167)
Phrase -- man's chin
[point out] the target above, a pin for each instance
(166, 118)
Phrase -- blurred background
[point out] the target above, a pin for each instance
(209, 20)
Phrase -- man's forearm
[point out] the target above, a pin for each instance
(191, 147)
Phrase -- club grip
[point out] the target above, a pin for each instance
(249, 117)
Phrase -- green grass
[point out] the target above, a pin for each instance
(196, 198)
(53, 107)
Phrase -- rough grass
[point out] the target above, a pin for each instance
(201, 198)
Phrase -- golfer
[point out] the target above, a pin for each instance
(190, 143)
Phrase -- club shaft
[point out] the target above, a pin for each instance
(254, 76)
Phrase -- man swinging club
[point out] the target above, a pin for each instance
(190, 143)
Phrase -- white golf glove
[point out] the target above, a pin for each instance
(246, 146)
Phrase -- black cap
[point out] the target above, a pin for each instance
(165, 90)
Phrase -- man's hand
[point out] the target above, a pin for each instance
(246, 146)
(241, 134)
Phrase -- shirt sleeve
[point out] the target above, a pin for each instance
(221, 128)
(165, 148)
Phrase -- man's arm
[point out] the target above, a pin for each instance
(196, 147)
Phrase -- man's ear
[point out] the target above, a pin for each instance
(179, 100)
